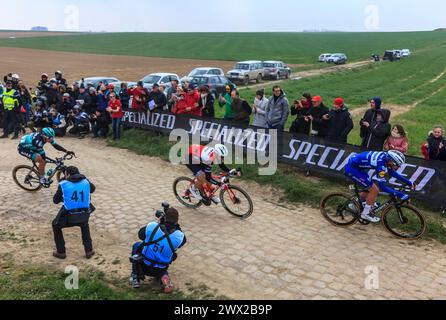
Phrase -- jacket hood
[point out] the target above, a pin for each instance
(76, 178)
(386, 115)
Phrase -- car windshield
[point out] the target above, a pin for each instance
(151, 79)
(242, 66)
(199, 80)
(269, 65)
(198, 72)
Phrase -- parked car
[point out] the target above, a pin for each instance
(216, 84)
(391, 55)
(276, 70)
(95, 81)
(159, 78)
(203, 72)
(246, 71)
(398, 53)
(406, 53)
(117, 85)
(337, 58)
(324, 57)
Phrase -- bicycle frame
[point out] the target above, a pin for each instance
(224, 186)
(393, 201)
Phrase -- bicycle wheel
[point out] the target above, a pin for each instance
(405, 222)
(27, 178)
(237, 202)
(340, 209)
(181, 190)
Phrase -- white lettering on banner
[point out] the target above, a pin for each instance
(313, 153)
(322, 156)
(234, 136)
(158, 120)
(430, 173)
(327, 151)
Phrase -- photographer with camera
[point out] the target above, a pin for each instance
(155, 254)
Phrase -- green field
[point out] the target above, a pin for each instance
(417, 80)
(295, 48)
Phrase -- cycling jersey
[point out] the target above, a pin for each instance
(32, 144)
(201, 159)
(359, 165)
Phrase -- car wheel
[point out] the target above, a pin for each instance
(246, 81)
(259, 78)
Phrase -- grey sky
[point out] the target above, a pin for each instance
(224, 15)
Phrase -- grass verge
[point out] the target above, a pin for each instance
(27, 282)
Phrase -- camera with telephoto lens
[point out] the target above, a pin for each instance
(161, 214)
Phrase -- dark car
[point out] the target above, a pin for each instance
(216, 84)
(391, 55)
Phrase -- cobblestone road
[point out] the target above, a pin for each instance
(279, 253)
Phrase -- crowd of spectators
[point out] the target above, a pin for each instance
(82, 109)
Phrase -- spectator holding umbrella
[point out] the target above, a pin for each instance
(398, 140)
(435, 148)
(259, 109)
(340, 122)
(115, 109)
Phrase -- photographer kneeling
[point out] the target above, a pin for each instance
(155, 254)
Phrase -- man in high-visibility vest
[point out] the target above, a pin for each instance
(11, 108)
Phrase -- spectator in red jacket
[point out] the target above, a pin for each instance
(398, 140)
(193, 99)
(116, 112)
(140, 96)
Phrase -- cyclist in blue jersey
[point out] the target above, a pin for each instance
(384, 163)
(32, 147)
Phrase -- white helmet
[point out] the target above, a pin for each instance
(15, 76)
(221, 150)
(397, 157)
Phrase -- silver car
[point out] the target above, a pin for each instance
(159, 78)
(246, 71)
(203, 72)
(276, 70)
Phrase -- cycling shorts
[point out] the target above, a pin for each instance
(199, 168)
(359, 176)
(30, 154)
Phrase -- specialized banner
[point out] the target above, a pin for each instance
(301, 151)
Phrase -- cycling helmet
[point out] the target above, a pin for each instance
(49, 133)
(396, 157)
(221, 150)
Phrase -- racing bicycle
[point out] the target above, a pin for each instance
(234, 199)
(28, 178)
(399, 217)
